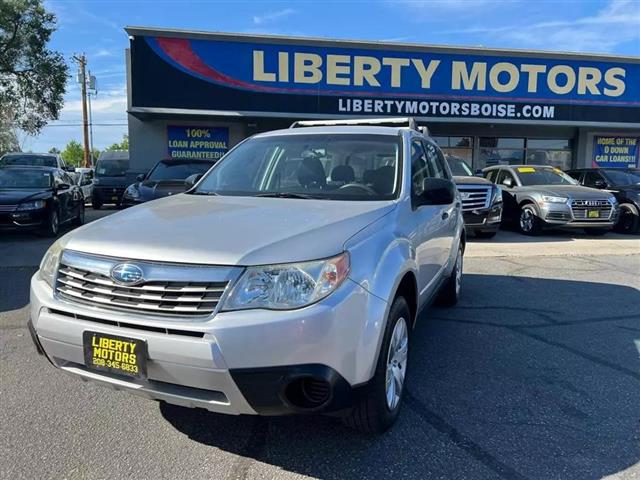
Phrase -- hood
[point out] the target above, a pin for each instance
(632, 188)
(13, 196)
(469, 180)
(150, 189)
(573, 191)
(226, 230)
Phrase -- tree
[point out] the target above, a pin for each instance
(54, 150)
(124, 145)
(8, 138)
(32, 77)
(73, 153)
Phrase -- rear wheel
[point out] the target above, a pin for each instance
(629, 221)
(450, 291)
(529, 223)
(379, 406)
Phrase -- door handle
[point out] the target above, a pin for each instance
(445, 215)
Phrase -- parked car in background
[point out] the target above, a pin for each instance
(481, 199)
(34, 160)
(540, 196)
(288, 280)
(166, 178)
(84, 179)
(41, 198)
(110, 179)
(624, 184)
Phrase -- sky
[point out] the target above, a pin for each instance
(96, 28)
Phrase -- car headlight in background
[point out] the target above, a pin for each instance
(49, 263)
(552, 199)
(33, 205)
(288, 286)
(132, 192)
(496, 195)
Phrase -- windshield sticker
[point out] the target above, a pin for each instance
(526, 170)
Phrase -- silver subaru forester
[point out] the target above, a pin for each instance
(286, 280)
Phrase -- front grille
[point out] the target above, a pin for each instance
(152, 297)
(7, 208)
(475, 197)
(581, 209)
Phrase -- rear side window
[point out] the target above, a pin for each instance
(419, 168)
(436, 167)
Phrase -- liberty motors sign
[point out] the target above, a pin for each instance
(269, 75)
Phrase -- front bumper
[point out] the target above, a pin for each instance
(562, 215)
(23, 219)
(107, 195)
(486, 220)
(237, 362)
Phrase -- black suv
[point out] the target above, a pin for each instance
(624, 184)
(481, 199)
(110, 179)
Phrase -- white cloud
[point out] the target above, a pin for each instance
(273, 16)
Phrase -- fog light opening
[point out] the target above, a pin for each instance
(308, 392)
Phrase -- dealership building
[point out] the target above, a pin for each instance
(196, 94)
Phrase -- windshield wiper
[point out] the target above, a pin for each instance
(286, 195)
(203, 192)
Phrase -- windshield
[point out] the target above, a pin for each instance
(112, 168)
(177, 171)
(16, 178)
(459, 167)
(30, 160)
(543, 176)
(622, 177)
(332, 167)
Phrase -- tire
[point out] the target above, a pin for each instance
(528, 221)
(79, 220)
(598, 232)
(96, 204)
(629, 221)
(450, 291)
(485, 234)
(51, 228)
(378, 407)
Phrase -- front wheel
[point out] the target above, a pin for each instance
(79, 220)
(96, 204)
(379, 406)
(629, 221)
(51, 227)
(529, 223)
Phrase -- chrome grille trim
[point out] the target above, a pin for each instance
(579, 209)
(478, 196)
(175, 290)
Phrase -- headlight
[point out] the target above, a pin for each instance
(34, 205)
(550, 199)
(497, 195)
(613, 200)
(49, 263)
(96, 181)
(288, 286)
(132, 192)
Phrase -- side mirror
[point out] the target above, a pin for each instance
(63, 186)
(437, 191)
(478, 173)
(140, 177)
(191, 180)
(601, 184)
(507, 182)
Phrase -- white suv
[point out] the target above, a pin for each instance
(286, 280)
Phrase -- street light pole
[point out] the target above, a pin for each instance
(82, 63)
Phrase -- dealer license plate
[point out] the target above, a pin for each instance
(114, 198)
(593, 214)
(115, 354)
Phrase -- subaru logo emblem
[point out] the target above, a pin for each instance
(126, 273)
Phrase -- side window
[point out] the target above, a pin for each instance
(419, 168)
(590, 179)
(436, 168)
(442, 164)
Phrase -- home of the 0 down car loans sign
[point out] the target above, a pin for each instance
(305, 77)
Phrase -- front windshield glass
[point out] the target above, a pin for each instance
(112, 168)
(30, 160)
(543, 176)
(16, 178)
(459, 167)
(622, 177)
(177, 171)
(332, 167)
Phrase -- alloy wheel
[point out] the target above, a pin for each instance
(396, 363)
(526, 220)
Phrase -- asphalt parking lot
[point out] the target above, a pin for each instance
(534, 375)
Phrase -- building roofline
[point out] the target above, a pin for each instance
(373, 44)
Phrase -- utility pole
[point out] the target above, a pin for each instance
(82, 78)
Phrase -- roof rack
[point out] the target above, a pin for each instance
(403, 121)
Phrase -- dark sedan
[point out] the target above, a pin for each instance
(41, 198)
(624, 184)
(166, 178)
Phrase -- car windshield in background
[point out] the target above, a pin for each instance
(112, 168)
(332, 167)
(177, 171)
(459, 167)
(623, 177)
(16, 178)
(543, 176)
(29, 160)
